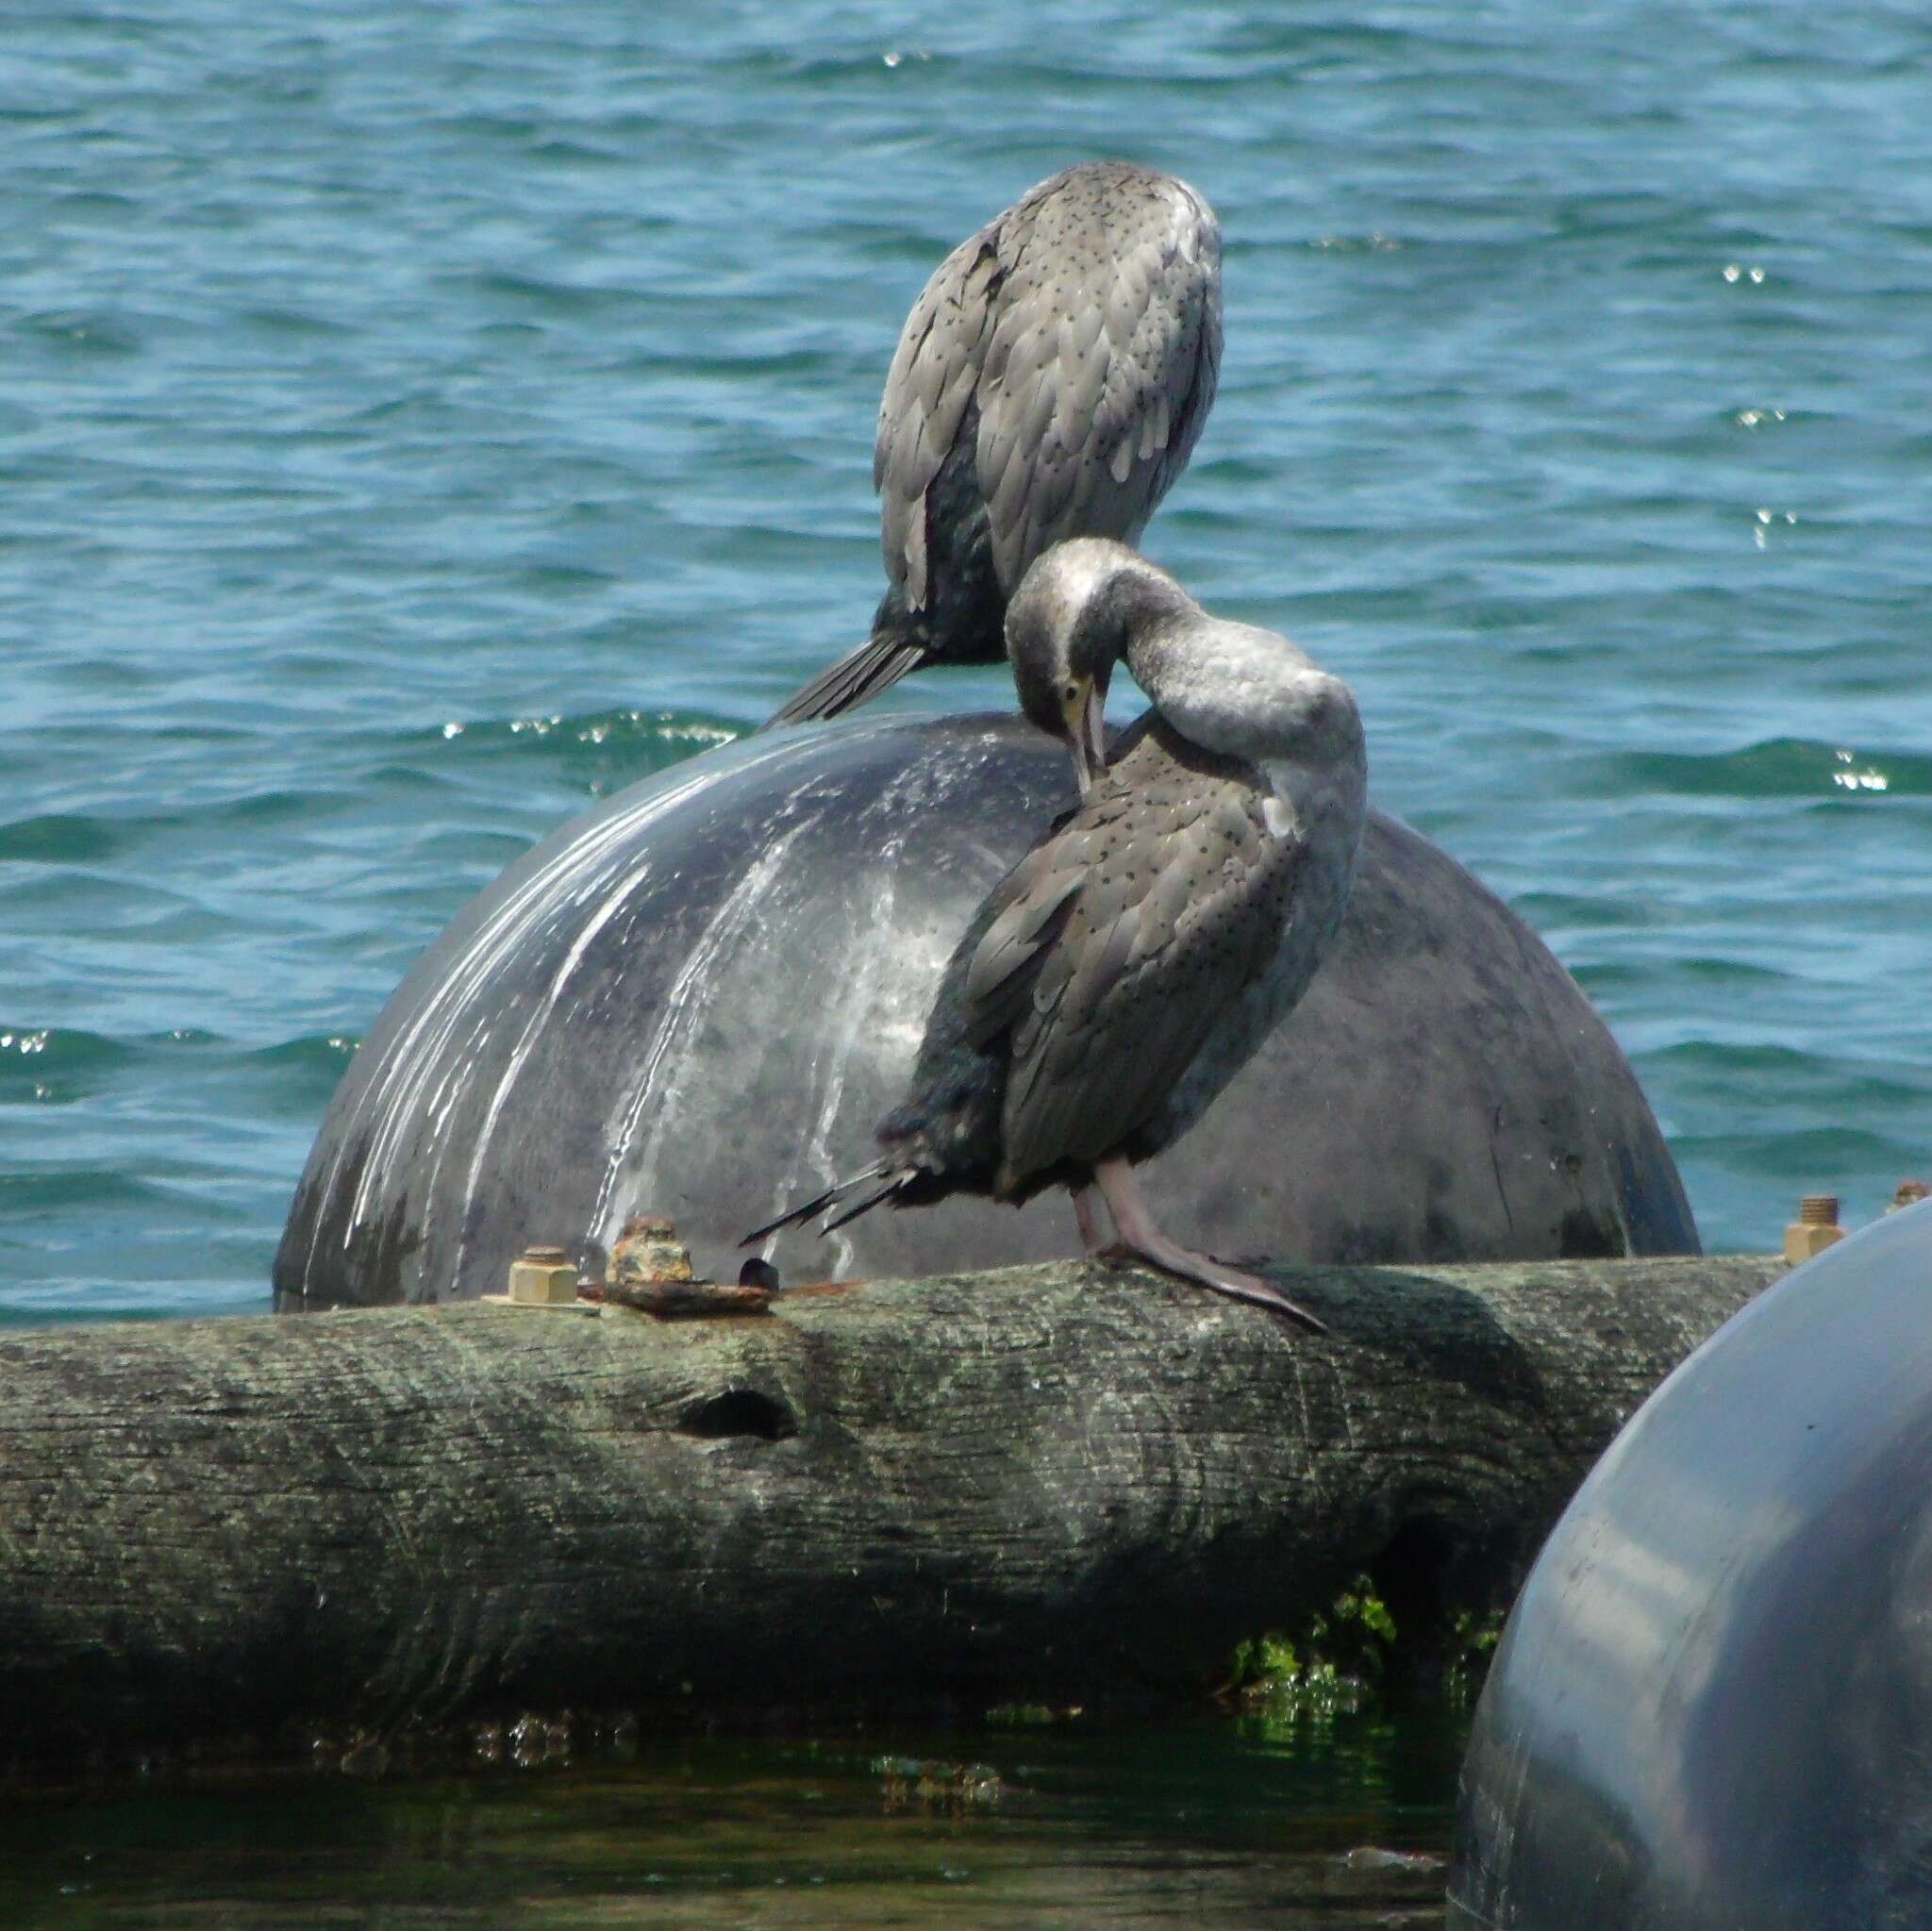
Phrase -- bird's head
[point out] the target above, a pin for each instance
(1066, 630)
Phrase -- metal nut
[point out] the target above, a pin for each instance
(543, 1277)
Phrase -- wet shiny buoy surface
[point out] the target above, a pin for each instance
(699, 999)
(1711, 1706)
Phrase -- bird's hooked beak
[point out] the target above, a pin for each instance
(1081, 708)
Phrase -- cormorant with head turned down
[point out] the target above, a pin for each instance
(1121, 974)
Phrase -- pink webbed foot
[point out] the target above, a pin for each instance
(1140, 1236)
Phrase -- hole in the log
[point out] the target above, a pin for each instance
(1445, 1591)
(740, 1411)
(1409, 1574)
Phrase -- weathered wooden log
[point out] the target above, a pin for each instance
(1040, 1483)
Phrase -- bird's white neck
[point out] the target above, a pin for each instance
(1250, 693)
(1242, 691)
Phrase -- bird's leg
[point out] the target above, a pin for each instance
(1122, 1192)
(1088, 1221)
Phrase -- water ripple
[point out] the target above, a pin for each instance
(416, 426)
(1781, 768)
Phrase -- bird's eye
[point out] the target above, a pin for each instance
(1073, 692)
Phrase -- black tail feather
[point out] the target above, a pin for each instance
(894, 1183)
(863, 673)
(891, 1175)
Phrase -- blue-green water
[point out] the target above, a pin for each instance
(417, 419)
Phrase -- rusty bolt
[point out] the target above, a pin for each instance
(648, 1249)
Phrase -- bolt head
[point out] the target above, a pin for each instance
(1804, 1239)
(542, 1283)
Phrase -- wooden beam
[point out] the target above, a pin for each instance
(1044, 1483)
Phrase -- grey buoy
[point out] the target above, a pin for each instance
(698, 999)
(1712, 1704)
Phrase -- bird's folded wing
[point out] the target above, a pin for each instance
(1037, 895)
(1099, 370)
(1179, 905)
(936, 369)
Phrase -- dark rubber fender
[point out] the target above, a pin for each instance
(1712, 1704)
(698, 999)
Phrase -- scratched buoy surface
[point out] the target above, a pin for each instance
(698, 999)
(1711, 1704)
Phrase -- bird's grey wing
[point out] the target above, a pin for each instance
(1101, 363)
(1029, 909)
(1182, 905)
(935, 371)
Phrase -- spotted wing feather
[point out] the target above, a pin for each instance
(934, 373)
(1121, 941)
(1102, 362)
